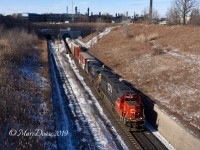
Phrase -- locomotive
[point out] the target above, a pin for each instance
(126, 103)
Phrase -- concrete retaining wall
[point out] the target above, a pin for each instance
(174, 133)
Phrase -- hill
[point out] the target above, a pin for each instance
(161, 61)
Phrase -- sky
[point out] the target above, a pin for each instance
(60, 6)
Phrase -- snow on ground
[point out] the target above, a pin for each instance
(103, 127)
(156, 133)
(94, 39)
(191, 58)
(34, 76)
(61, 120)
(91, 120)
(85, 108)
(166, 68)
(28, 110)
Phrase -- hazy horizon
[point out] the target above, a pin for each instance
(112, 7)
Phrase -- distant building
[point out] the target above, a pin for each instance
(57, 18)
(77, 17)
(187, 19)
(94, 18)
(25, 17)
(21, 16)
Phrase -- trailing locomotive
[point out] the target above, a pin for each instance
(123, 99)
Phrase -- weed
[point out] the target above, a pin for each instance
(146, 38)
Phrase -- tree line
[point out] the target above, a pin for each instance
(183, 12)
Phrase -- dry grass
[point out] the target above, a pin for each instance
(146, 38)
(45, 71)
(20, 91)
(171, 81)
(141, 38)
(89, 37)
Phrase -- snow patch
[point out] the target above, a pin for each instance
(82, 104)
(94, 39)
(96, 131)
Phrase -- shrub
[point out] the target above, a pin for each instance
(152, 36)
(20, 42)
(141, 38)
(146, 38)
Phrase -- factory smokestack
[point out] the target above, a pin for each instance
(76, 10)
(88, 10)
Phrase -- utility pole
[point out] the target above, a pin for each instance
(88, 10)
(76, 10)
(150, 11)
(67, 9)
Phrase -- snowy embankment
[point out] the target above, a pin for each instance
(95, 39)
(29, 113)
(88, 45)
(92, 125)
(59, 111)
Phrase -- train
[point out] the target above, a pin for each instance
(127, 103)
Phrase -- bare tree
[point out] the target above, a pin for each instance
(173, 16)
(150, 18)
(195, 17)
(145, 14)
(100, 25)
(184, 7)
(155, 15)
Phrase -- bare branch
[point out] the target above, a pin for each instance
(184, 7)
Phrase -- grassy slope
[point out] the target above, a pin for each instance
(25, 91)
(140, 55)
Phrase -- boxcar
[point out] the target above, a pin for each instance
(83, 58)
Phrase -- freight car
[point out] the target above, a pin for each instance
(83, 58)
(123, 99)
(76, 50)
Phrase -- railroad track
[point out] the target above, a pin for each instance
(143, 141)
(109, 126)
(134, 140)
(147, 141)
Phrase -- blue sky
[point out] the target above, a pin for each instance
(59, 6)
